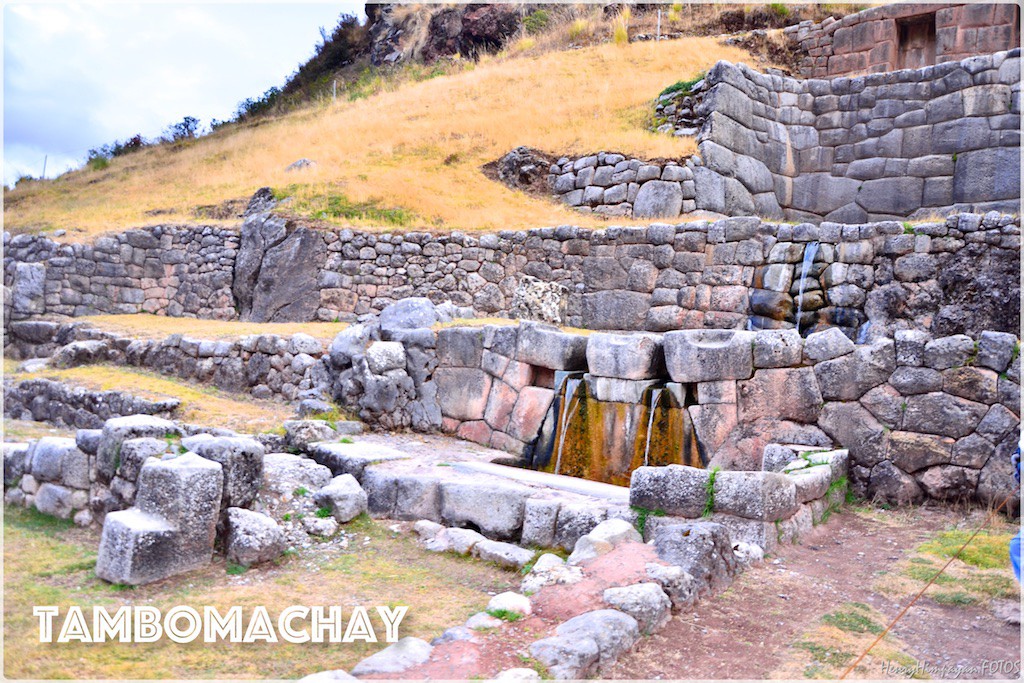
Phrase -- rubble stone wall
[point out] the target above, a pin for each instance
(960, 275)
(869, 41)
(166, 270)
(45, 400)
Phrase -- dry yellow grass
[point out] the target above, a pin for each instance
(146, 326)
(49, 562)
(199, 404)
(418, 148)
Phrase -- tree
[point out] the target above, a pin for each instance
(186, 129)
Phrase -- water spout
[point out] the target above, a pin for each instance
(655, 395)
(810, 251)
(569, 400)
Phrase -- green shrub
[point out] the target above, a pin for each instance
(536, 21)
(505, 615)
(323, 513)
(682, 87)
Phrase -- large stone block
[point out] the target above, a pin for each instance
(462, 392)
(709, 355)
(658, 199)
(548, 347)
(783, 393)
(853, 427)
(625, 356)
(911, 451)
(531, 407)
(849, 377)
(495, 509)
(353, 458)
(615, 310)
(942, 414)
(119, 429)
(777, 348)
(59, 460)
(171, 529)
(987, 175)
(242, 462)
(460, 346)
(672, 489)
(764, 496)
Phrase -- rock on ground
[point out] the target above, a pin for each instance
(645, 602)
(344, 497)
(405, 654)
(252, 537)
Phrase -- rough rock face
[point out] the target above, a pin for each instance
(467, 30)
(252, 537)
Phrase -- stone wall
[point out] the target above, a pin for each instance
(45, 400)
(958, 275)
(880, 146)
(920, 416)
(870, 41)
(264, 366)
(167, 270)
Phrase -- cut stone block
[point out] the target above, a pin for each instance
(709, 355)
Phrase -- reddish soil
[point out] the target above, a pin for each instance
(746, 631)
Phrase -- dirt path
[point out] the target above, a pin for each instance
(747, 632)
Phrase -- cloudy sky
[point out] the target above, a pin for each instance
(78, 75)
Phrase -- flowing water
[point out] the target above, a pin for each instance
(607, 440)
(810, 251)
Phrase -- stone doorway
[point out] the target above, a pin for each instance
(916, 41)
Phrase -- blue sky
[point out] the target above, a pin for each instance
(78, 75)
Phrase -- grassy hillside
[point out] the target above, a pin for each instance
(411, 152)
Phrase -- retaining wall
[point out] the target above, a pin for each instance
(958, 275)
(45, 400)
(889, 145)
(870, 41)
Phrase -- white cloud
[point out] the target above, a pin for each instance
(80, 75)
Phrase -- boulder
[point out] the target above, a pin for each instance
(625, 356)
(645, 602)
(460, 541)
(911, 451)
(405, 654)
(59, 460)
(586, 644)
(996, 350)
(677, 584)
(574, 521)
(502, 554)
(283, 473)
(702, 549)
(891, 485)
(302, 434)
(709, 355)
(513, 603)
(350, 343)
(324, 527)
(409, 313)
(252, 537)
(15, 455)
(343, 497)
(605, 537)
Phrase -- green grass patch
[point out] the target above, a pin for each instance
(853, 618)
(300, 491)
(338, 206)
(323, 513)
(823, 654)
(504, 614)
(955, 599)
(235, 569)
(986, 551)
(709, 490)
(682, 87)
(991, 585)
(642, 514)
(921, 573)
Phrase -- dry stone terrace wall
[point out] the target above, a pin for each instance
(265, 366)
(167, 270)
(887, 145)
(956, 276)
(869, 41)
(44, 400)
